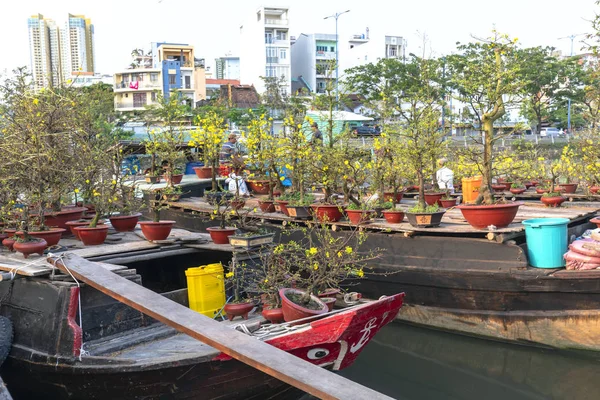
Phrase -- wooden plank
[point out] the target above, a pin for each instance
(266, 358)
(114, 248)
(43, 268)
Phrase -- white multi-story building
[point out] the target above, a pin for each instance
(56, 53)
(362, 49)
(313, 60)
(228, 67)
(265, 48)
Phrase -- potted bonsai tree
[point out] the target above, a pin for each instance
(239, 303)
(222, 213)
(265, 154)
(485, 77)
(319, 261)
(297, 152)
(129, 199)
(552, 198)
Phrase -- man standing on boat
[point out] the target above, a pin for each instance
(445, 176)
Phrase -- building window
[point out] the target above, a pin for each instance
(153, 97)
(281, 35)
(393, 51)
(139, 100)
(188, 82)
(332, 49)
(271, 52)
(322, 48)
(283, 54)
(172, 79)
(268, 36)
(270, 72)
(153, 77)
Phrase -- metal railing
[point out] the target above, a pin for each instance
(141, 85)
(272, 60)
(270, 21)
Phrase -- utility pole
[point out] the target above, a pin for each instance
(572, 37)
(337, 61)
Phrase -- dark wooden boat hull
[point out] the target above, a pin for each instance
(202, 381)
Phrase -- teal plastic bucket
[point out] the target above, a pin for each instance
(547, 241)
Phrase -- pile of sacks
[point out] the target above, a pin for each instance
(584, 254)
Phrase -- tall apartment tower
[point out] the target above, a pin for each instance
(56, 53)
(265, 48)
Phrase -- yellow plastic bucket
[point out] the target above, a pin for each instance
(206, 289)
(470, 188)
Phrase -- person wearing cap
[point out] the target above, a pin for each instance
(444, 176)
(317, 136)
(229, 153)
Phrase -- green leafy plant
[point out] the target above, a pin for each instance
(419, 209)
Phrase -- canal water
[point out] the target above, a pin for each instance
(406, 362)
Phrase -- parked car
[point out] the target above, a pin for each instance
(367, 131)
(548, 132)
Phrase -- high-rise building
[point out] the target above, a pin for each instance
(56, 53)
(228, 67)
(265, 48)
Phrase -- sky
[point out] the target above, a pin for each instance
(213, 27)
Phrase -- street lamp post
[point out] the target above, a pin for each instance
(572, 37)
(337, 61)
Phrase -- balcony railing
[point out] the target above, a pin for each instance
(272, 60)
(140, 85)
(328, 55)
(270, 21)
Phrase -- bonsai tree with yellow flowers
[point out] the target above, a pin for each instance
(208, 139)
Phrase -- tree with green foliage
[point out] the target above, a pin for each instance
(486, 75)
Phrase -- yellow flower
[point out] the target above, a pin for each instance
(87, 181)
(76, 190)
(266, 280)
(114, 182)
(229, 274)
(35, 101)
(339, 254)
(312, 251)
(360, 273)
(348, 250)
(315, 266)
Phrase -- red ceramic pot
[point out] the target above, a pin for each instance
(596, 221)
(73, 224)
(3, 236)
(448, 203)
(553, 201)
(389, 196)
(433, 198)
(594, 189)
(125, 223)
(541, 191)
(238, 204)
(517, 190)
(92, 236)
(482, 216)
(568, 187)
(156, 230)
(507, 185)
(329, 301)
(499, 188)
(293, 311)
(283, 206)
(327, 212)
(220, 235)
(258, 186)
(9, 243)
(36, 246)
(176, 178)
(393, 216)
(275, 315)
(267, 206)
(52, 236)
(359, 216)
(238, 310)
(203, 172)
(60, 219)
(331, 292)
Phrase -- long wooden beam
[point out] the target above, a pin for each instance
(260, 355)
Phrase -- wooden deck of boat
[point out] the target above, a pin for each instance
(453, 222)
(126, 243)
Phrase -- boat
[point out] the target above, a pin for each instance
(473, 282)
(114, 351)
